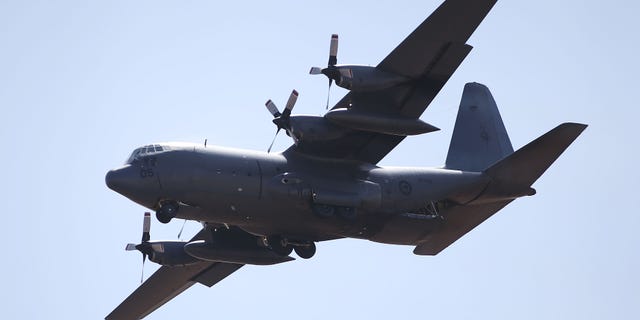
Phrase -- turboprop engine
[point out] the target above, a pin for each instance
(166, 253)
(356, 77)
(360, 78)
(221, 252)
(336, 123)
(220, 245)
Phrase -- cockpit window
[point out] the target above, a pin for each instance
(143, 151)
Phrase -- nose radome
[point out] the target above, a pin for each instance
(114, 179)
(122, 180)
(128, 182)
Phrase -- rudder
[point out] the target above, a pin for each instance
(479, 136)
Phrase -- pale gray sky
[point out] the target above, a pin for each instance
(82, 83)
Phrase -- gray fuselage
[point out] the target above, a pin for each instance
(296, 196)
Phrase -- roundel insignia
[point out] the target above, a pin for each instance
(405, 187)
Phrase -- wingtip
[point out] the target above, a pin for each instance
(578, 124)
(425, 249)
(433, 128)
(579, 127)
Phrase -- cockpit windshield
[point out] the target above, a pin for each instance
(142, 151)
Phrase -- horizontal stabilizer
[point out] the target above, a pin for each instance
(458, 221)
(522, 168)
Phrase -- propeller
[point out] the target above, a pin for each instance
(330, 71)
(144, 247)
(281, 120)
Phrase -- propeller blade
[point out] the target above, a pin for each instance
(333, 50)
(315, 70)
(144, 247)
(274, 140)
(180, 233)
(272, 108)
(144, 258)
(290, 103)
(328, 93)
(146, 227)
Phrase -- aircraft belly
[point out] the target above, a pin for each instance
(415, 198)
(273, 195)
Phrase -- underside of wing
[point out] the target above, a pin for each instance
(453, 22)
(427, 58)
(167, 283)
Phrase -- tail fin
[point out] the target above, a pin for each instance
(521, 169)
(479, 137)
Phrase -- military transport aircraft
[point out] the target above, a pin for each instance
(258, 207)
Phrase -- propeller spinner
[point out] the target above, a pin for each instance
(144, 247)
(281, 120)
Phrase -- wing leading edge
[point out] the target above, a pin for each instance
(428, 56)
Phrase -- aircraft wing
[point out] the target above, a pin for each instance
(428, 56)
(168, 282)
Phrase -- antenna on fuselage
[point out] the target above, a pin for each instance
(205, 143)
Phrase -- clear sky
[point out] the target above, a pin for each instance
(82, 83)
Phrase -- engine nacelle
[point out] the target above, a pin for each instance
(234, 253)
(313, 128)
(169, 253)
(365, 78)
(381, 123)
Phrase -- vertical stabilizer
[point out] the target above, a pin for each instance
(479, 136)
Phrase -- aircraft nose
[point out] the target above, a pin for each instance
(130, 182)
(118, 179)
